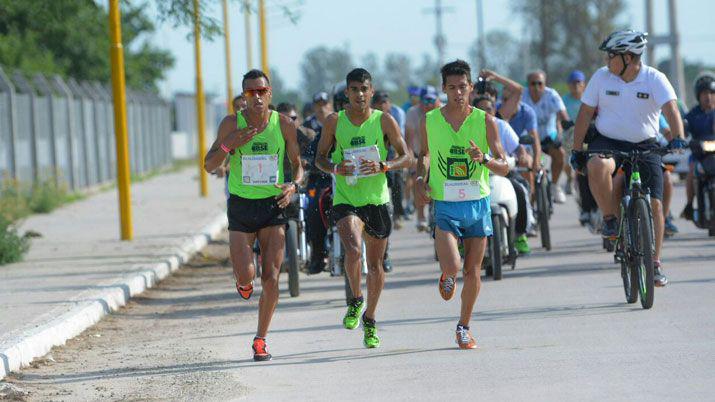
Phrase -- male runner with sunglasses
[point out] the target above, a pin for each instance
(454, 159)
(360, 137)
(256, 140)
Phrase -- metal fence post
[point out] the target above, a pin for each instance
(8, 166)
(64, 133)
(43, 113)
(25, 145)
(78, 130)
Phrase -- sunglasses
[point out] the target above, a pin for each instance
(293, 117)
(429, 101)
(536, 83)
(251, 93)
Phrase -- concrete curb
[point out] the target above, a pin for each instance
(23, 348)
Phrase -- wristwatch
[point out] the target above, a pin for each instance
(295, 185)
(486, 158)
(384, 167)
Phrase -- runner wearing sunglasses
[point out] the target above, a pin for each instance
(256, 139)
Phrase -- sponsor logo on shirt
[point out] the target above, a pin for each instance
(259, 147)
(357, 141)
(642, 95)
(456, 150)
(612, 93)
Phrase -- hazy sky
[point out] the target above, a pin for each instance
(387, 26)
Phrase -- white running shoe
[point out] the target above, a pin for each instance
(558, 193)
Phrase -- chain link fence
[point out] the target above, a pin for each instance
(63, 130)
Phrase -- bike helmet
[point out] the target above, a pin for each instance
(704, 82)
(625, 41)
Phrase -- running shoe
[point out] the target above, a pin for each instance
(568, 187)
(584, 218)
(352, 317)
(387, 265)
(447, 286)
(522, 245)
(610, 227)
(245, 291)
(658, 275)
(465, 340)
(370, 338)
(687, 212)
(558, 192)
(422, 226)
(260, 353)
(670, 228)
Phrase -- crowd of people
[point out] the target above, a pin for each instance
(385, 163)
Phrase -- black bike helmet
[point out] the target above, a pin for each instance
(704, 82)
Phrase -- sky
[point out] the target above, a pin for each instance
(382, 27)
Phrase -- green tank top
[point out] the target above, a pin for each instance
(453, 176)
(353, 140)
(263, 160)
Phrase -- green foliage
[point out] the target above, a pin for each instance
(13, 201)
(71, 38)
(47, 196)
(12, 245)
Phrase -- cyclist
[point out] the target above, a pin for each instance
(550, 111)
(429, 100)
(629, 96)
(258, 139)
(454, 159)
(360, 136)
(701, 126)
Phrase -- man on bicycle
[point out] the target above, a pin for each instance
(360, 137)
(454, 159)
(629, 96)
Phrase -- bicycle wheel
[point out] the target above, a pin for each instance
(630, 280)
(542, 204)
(292, 258)
(642, 244)
(495, 243)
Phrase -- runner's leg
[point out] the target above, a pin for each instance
(272, 243)
(474, 254)
(350, 230)
(241, 250)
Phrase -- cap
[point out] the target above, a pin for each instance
(414, 90)
(320, 97)
(428, 93)
(380, 96)
(577, 75)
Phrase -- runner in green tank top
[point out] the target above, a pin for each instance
(361, 199)
(256, 140)
(454, 159)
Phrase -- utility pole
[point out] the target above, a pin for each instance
(227, 42)
(116, 54)
(249, 41)
(676, 63)
(439, 41)
(200, 102)
(264, 39)
(650, 29)
(480, 37)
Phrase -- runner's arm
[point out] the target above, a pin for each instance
(498, 163)
(509, 107)
(562, 115)
(289, 130)
(327, 139)
(672, 116)
(536, 146)
(585, 114)
(423, 162)
(392, 131)
(215, 155)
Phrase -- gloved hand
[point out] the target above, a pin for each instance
(578, 160)
(677, 143)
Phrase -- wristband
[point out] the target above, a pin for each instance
(384, 167)
(225, 149)
(335, 169)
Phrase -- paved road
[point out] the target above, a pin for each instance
(556, 328)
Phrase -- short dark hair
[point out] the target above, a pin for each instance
(254, 74)
(457, 67)
(481, 98)
(357, 75)
(237, 97)
(285, 107)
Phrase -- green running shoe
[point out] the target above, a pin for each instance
(522, 245)
(370, 340)
(352, 317)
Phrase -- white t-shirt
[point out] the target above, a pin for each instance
(508, 137)
(628, 111)
(546, 109)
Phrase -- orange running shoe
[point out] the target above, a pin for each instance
(245, 291)
(447, 286)
(465, 340)
(260, 353)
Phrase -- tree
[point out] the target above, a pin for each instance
(280, 92)
(70, 38)
(503, 54)
(398, 75)
(322, 68)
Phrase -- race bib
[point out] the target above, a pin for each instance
(371, 153)
(461, 190)
(259, 170)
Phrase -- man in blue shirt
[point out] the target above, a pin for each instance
(572, 100)
(381, 101)
(701, 126)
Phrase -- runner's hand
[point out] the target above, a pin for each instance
(369, 167)
(220, 171)
(239, 138)
(344, 168)
(423, 191)
(287, 191)
(487, 74)
(475, 153)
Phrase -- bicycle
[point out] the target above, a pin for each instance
(297, 250)
(634, 246)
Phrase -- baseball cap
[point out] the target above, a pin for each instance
(414, 90)
(577, 75)
(380, 96)
(428, 93)
(320, 97)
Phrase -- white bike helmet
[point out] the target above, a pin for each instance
(626, 41)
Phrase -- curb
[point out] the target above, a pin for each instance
(36, 342)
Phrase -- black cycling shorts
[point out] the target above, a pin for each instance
(650, 166)
(376, 218)
(547, 144)
(249, 216)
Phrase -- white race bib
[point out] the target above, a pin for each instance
(259, 170)
(461, 190)
(371, 153)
